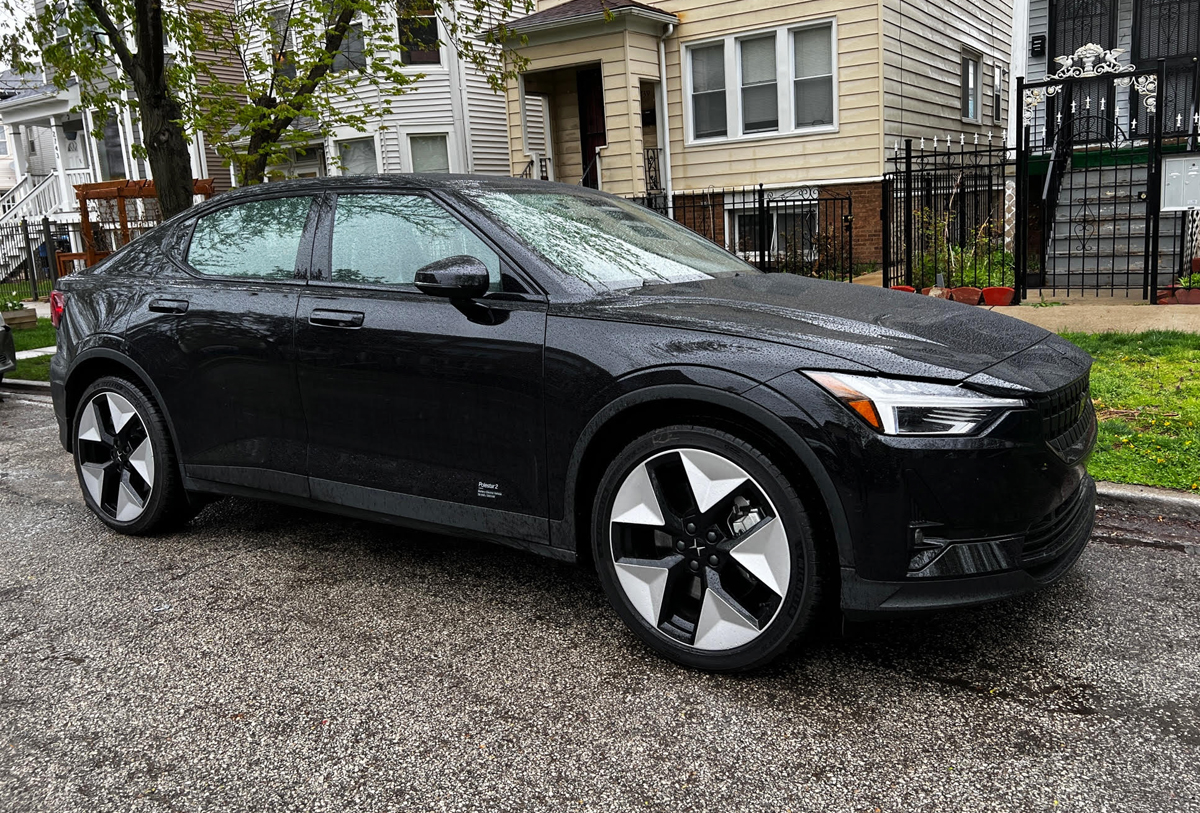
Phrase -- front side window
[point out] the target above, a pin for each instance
(386, 239)
(430, 153)
(760, 95)
(255, 240)
(419, 34)
(358, 156)
(608, 243)
(813, 79)
(708, 91)
(970, 88)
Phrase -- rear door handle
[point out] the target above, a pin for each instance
(169, 305)
(327, 318)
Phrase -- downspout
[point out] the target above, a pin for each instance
(664, 125)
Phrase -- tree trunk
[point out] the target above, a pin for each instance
(167, 150)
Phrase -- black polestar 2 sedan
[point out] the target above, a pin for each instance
(568, 373)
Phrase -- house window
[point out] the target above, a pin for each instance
(32, 147)
(813, 78)
(708, 91)
(783, 78)
(358, 157)
(282, 41)
(430, 153)
(970, 87)
(791, 234)
(760, 90)
(419, 34)
(350, 55)
(3, 141)
(997, 94)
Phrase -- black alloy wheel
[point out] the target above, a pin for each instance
(704, 549)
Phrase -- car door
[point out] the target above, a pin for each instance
(420, 406)
(216, 336)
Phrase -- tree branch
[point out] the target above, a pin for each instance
(115, 38)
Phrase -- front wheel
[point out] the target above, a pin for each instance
(704, 549)
(125, 461)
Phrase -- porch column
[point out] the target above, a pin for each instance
(125, 128)
(20, 142)
(93, 148)
(60, 148)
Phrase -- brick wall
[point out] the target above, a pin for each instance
(866, 199)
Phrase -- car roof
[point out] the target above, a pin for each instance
(406, 182)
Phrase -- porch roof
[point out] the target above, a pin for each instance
(577, 12)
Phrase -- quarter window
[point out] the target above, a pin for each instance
(813, 77)
(386, 239)
(760, 91)
(708, 91)
(257, 240)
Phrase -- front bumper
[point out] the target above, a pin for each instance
(983, 571)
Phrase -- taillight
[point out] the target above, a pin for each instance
(58, 304)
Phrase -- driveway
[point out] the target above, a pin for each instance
(272, 659)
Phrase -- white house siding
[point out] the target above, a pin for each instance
(924, 42)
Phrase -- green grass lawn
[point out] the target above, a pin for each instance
(34, 369)
(1146, 387)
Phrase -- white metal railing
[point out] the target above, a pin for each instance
(41, 201)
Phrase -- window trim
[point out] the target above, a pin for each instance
(785, 83)
(974, 56)
(304, 254)
(451, 147)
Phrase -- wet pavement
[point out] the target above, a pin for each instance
(272, 659)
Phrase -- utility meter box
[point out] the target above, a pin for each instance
(1180, 183)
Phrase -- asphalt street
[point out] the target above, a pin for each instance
(269, 659)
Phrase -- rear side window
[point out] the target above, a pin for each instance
(256, 240)
(386, 239)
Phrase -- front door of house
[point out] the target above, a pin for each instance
(590, 84)
(1169, 30)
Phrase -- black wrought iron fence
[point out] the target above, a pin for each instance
(807, 231)
(945, 217)
(34, 254)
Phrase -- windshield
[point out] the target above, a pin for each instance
(606, 242)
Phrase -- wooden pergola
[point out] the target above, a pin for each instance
(119, 192)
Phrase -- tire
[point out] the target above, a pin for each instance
(705, 550)
(124, 459)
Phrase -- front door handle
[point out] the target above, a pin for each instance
(326, 318)
(169, 305)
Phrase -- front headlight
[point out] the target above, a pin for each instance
(897, 407)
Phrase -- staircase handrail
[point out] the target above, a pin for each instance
(12, 196)
(41, 200)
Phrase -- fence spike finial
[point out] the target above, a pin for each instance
(1179, 121)
(977, 139)
(922, 142)
(935, 138)
(962, 139)
(1102, 103)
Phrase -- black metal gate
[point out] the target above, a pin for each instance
(1088, 185)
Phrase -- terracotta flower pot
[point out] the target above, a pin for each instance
(1166, 296)
(966, 295)
(908, 288)
(997, 295)
(1188, 296)
(1196, 265)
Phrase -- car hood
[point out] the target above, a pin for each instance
(891, 332)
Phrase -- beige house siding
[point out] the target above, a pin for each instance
(924, 42)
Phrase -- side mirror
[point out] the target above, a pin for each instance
(460, 277)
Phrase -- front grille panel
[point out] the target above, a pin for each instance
(1067, 417)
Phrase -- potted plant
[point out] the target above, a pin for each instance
(1188, 292)
(15, 314)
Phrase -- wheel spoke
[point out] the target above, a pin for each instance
(93, 479)
(91, 426)
(129, 504)
(764, 552)
(141, 460)
(645, 584)
(119, 411)
(637, 502)
(711, 477)
(723, 624)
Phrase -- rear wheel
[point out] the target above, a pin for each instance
(704, 549)
(124, 459)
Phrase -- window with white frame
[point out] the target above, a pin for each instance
(997, 94)
(357, 156)
(430, 153)
(783, 82)
(790, 234)
(970, 87)
(708, 90)
(760, 90)
(3, 140)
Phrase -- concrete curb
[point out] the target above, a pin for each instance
(17, 385)
(1147, 500)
